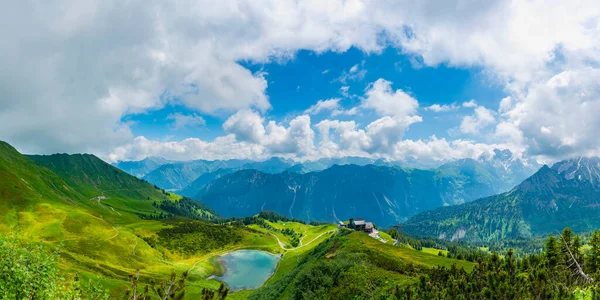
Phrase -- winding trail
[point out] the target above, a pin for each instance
(282, 245)
(114, 236)
(136, 242)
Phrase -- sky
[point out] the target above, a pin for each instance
(424, 80)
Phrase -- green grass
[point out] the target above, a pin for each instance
(48, 199)
(408, 254)
(434, 251)
(50, 202)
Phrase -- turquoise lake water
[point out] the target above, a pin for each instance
(247, 269)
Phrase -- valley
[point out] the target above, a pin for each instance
(107, 224)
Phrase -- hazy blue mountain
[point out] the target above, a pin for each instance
(142, 167)
(386, 195)
(272, 165)
(177, 176)
(324, 163)
(197, 185)
(470, 179)
(566, 194)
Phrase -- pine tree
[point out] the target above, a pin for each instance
(566, 241)
(552, 252)
(593, 259)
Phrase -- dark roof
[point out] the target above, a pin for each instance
(359, 222)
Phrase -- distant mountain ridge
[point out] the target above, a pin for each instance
(566, 194)
(141, 167)
(386, 195)
(177, 175)
(505, 170)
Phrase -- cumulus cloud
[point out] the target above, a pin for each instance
(225, 147)
(378, 137)
(324, 105)
(385, 101)
(441, 150)
(558, 118)
(470, 104)
(248, 126)
(474, 123)
(74, 69)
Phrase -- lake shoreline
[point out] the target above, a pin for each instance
(245, 269)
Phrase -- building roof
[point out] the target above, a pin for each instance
(369, 225)
(358, 222)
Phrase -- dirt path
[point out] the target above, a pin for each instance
(136, 242)
(282, 245)
(114, 236)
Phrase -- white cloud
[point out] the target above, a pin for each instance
(344, 91)
(345, 112)
(74, 69)
(248, 126)
(225, 147)
(470, 104)
(559, 118)
(180, 120)
(378, 137)
(324, 105)
(441, 150)
(506, 104)
(381, 98)
(441, 108)
(481, 119)
(355, 73)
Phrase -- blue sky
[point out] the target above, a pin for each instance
(296, 83)
(400, 80)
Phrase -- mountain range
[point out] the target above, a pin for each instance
(566, 194)
(385, 195)
(180, 175)
(457, 182)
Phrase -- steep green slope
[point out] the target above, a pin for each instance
(105, 235)
(107, 187)
(90, 175)
(553, 198)
(352, 265)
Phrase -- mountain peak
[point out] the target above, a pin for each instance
(503, 154)
(581, 168)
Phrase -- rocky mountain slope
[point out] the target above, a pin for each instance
(566, 194)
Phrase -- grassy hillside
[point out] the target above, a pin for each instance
(106, 224)
(90, 210)
(352, 265)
